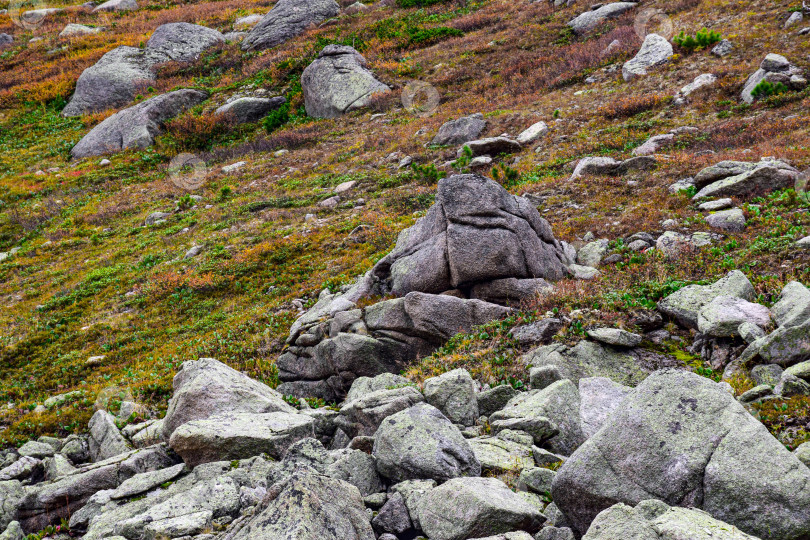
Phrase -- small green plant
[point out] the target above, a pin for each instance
(225, 193)
(767, 89)
(505, 175)
(427, 174)
(555, 114)
(277, 118)
(463, 161)
(185, 202)
(703, 38)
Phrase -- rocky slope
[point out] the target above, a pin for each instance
(450, 270)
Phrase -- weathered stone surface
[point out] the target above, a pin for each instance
(337, 82)
(362, 416)
(363, 386)
(420, 443)
(105, 440)
(490, 146)
(312, 507)
(592, 253)
(357, 468)
(683, 428)
(216, 498)
(239, 435)
(511, 291)
(532, 133)
(36, 449)
(599, 398)
(494, 399)
(589, 20)
(11, 495)
(558, 403)
(475, 232)
(539, 428)
(48, 503)
(250, 109)
(732, 220)
(755, 178)
(785, 346)
(497, 455)
(685, 304)
(143, 482)
(74, 29)
(474, 507)
(137, 126)
(454, 395)
(536, 479)
(793, 307)
(615, 336)
(13, 532)
(117, 5)
(537, 332)
(655, 50)
(287, 19)
(113, 81)
(460, 131)
(393, 516)
(207, 387)
(591, 359)
(723, 316)
(182, 42)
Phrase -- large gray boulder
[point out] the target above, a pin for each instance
(113, 81)
(246, 110)
(464, 508)
(682, 439)
(47, 503)
(287, 19)
(363, 386)
(183, 42)
(207, 387)
(460, 131)
(589, 20)
(312, 507)
(599, 398)
(338, 82)
(655, 50)
(558, 403)
(11, 495)
(499, 456)
(655, 520)
(239, 436)
(362, 416)
(357, 468)
(186, 513)
(592, 359)
(793, 307)
(105, 440)
(137, 126)
(684, 305)
(453, 393)
(124, 72)
(742, 179)
(420, 443)
(476, 232)
(785, 346)
(394, 332)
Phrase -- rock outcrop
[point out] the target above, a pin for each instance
(287, 19)
(338, 82)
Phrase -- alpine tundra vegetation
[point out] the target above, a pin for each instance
(404, 269)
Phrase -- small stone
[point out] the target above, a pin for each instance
(543, 376)
(615, 336)
(713, 206)
(727, 220)
(723, 48)
(756, 393)
(766, 374)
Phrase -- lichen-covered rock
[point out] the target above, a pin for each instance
(793, 307)
(682, 439)
(475, 507)
(137, 126)
(685, 304)
(454, 395)
(338, 82)
(357, 468)
(589, 20)
(498, 456)
(246, 110)
(655, 50)
(460, 131)
(207, 387)
(599, 398)
(559, 403)
(741, 179)
(105, 440)
(182, 42)
(362, 416)
(420, 443)
(723, 316)
(11, 495)
(312, 507)
(239, 435)
(287, 19)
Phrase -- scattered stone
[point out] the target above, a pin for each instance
(723, 48)
(721, 451)
(727, 220)
(774, 68)
(247, 110)
(287, 19)
(137, 126)
(460, 131)
(420, 443)
(537, 332)
(615, 336)
(723, 315)
(337, 82)
(591, 254)
(685, 304)
(494, 399)
(609, 166)
(105, 439)
(719, 204)
(453, 394)
(653, 144)
(655, 50)
(487, 504)
(117, 5)
(793, 307)
(599, 398)
(589, 20)
(74, 29)
(532, 133)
